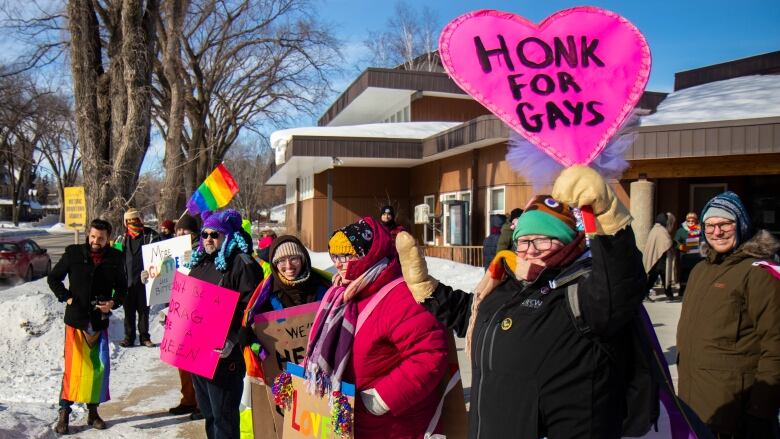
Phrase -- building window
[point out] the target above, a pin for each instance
(495, 204)
(289, 193)
(429, 232)
(307, 187)
(451, 196)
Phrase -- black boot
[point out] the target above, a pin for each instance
(62, 421)
(93, 419)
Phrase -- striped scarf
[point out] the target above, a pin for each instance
(333, 332)
(135, 230)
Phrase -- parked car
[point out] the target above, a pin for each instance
(23, 259)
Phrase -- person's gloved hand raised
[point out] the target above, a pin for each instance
(414, 268)
(580, 186)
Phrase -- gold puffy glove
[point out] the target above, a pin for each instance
(580, 185)
(414, 268)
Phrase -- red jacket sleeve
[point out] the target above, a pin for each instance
(422, 349)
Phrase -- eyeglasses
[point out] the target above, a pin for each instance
(343, 258)
(212, 235)
(540, 244)
(724, 227)
(290, 260)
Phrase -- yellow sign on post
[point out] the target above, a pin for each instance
(75, 206)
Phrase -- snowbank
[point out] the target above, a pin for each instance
(31, 360)
(59, 228)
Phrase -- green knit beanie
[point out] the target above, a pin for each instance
(548, 217)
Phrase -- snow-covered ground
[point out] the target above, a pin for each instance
(7, 228)
(31, 350)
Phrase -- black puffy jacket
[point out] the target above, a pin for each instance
(88, 283)
(543, 365)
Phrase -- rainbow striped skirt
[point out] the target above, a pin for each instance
(87, 366)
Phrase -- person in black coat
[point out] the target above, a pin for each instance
(549, 328)
(222, 259)
(136, 236)
(97, 285)
(490, 243)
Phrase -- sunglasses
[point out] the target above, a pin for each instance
(212, 235)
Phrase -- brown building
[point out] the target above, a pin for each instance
(409, 138)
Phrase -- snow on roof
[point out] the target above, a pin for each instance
(405, 130)
(747, 97)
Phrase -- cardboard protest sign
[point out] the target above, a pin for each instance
(267, 418)
(161, 260)
(198, 320)
(566, 84)
(309, 415)
(284, 335)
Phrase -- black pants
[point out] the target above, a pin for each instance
(659, 269)
(219, 398)
(136, 303)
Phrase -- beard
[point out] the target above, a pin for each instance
(96, 248)
(210, 248)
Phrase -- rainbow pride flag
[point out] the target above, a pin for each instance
(214, 193)
(87, 367)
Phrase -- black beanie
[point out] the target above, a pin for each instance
(515, 214)
(661, 219)
(188, 222)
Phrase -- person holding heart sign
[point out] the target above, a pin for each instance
(542, 363)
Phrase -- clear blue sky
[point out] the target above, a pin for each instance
(683, 34)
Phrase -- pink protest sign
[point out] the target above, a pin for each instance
(199, 316)
(566, 84)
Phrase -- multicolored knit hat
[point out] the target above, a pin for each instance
(728, 205)
(549, 217)
(354, 239)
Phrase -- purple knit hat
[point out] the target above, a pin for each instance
(227, 221)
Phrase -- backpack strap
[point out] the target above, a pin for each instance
(437, 415)
(573, 305)
(375, 300)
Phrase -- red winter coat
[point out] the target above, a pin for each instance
(401, 351)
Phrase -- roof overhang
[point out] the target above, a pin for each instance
(306, 155)
(377, 91)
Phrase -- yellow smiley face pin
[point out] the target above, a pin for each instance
(506, 324)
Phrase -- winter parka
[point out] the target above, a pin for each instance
(542, 367)
(400, 351)
(131, 250)
(505, 239)
(88, 283)
(728, 337)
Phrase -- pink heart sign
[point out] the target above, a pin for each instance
(566, 84)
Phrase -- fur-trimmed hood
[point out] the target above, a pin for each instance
(763, 245)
